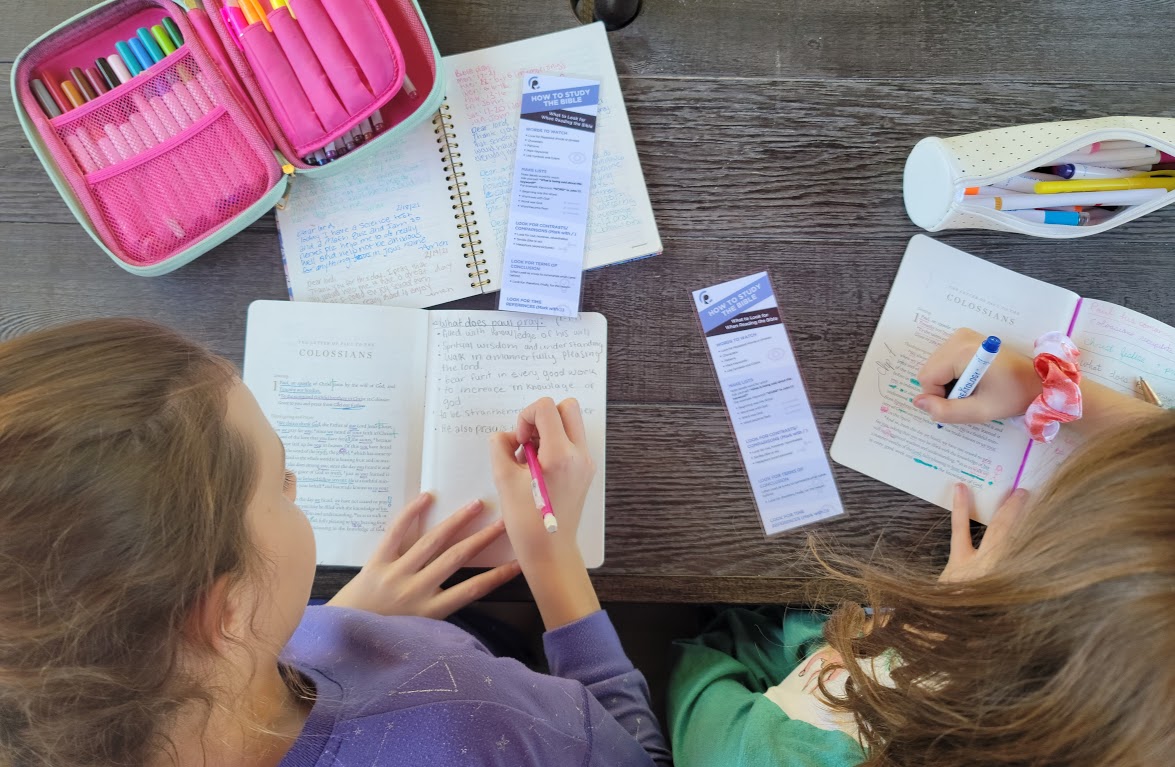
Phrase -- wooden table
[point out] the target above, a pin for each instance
(772, 134)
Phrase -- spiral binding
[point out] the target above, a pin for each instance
(459, 196)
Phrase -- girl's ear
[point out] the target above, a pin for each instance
(212, 614)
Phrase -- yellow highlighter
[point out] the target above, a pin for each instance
(1152, 181)
(283, 4)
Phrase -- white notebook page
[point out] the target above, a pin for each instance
(343, 386)
(485, 367)
(484, 94)
(937, 290)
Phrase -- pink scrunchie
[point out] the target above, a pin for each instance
(1060, 399)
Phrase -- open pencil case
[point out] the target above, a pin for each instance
(176, 160)
(940, 171)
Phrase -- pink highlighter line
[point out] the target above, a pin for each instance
(538, 487)
(1027, 450)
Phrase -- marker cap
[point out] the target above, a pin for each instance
(991, 345)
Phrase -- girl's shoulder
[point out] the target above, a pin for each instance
(392, 688)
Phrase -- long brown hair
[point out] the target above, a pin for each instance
(122, 499)
(1064, 654)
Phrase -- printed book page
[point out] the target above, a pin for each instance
(483, 368)
(485, 97)
(1118, 345)
(343, 386)
(381, 232)
(939, 289)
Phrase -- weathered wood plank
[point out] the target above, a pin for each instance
(982, 39)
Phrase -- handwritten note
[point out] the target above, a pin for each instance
(486, 98)
(380, 233)
(484, 368)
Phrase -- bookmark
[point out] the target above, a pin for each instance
(764, 394)
(542, 262)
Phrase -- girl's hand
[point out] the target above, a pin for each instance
(967, 562)
(551, 562)
(1007, 389)
(399, 582)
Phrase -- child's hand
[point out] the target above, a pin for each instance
(398, 582)
(967, 562)
(551, 562)
(568, 471)
(1007, 389)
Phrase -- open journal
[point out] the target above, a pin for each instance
(939, 289)
(424, 221)
(375, 404)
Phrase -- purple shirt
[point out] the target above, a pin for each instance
(414, 691)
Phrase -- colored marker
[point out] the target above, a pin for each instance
(82, 84)
(163, 40)
(96, 81)
(1025, 182)
(1062, 217)
(368, 131)
(377, 121)
(76, 99)
(1081, 170)
(975, 369)
(128, 58)
(45, 99)
(1106, 184)
(320, 157)
(107, 73)
(177, 37)
(410, 87)
(332, 151)
(348, 142)
(121, 70)
(1112, 158)
(58, 95)
(283, 4)
(1027, 201)
(235, 20)
(140, 54)
(153, 48)
(538, 485)
(983, 191)
(254, 13)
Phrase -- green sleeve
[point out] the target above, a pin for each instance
(717, 713)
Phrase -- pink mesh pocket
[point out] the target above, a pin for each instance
(166, 158)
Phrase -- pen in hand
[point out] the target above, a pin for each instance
(538, 487)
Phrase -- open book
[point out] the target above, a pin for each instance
(424, 221)
(375, 404)
(939, 289)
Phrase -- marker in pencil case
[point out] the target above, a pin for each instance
(76, 99)
(128, 58)
(1028, 201)
(107, 73)
(120, 68)
(163, 40)
(177, 37)
(142, 56)
(149, 42)
(45, 99)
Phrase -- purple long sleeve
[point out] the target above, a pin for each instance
(589, 652)
(412, 691)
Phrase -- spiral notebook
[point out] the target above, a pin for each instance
(425, 220)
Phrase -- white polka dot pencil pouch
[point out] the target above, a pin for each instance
(1061, 179)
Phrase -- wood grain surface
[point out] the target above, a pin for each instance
(772, 135)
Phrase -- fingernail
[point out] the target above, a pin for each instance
(920, 403)
(424, 496)
(499, 524)
(473, 506)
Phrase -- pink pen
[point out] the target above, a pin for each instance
(538, 487)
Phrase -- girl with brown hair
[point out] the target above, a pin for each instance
(1049, 644)
(155, 570)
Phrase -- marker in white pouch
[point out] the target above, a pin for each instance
(975, 369)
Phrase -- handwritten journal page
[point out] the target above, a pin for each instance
(343, 386)
(1118, 345)
(380, 233)
(937, 290)
(485, 367)
(485, 92)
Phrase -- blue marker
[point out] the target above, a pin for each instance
(153, 49)
(128, 58)
(1062, 217)
(140, 51)
(978, 365)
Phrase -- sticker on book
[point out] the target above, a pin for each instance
(542, 263)
(769, 409)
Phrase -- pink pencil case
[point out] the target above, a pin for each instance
(182, 156)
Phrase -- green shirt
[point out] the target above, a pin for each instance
(720, 712)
